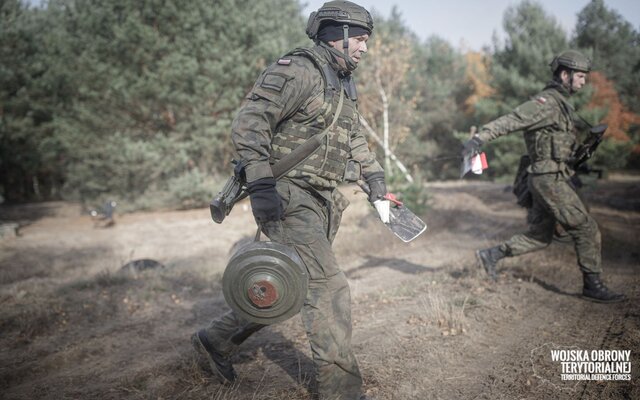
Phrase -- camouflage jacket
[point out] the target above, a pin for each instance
(291, 93)
(548, 125)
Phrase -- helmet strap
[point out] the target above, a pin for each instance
(571, 81)
(345, 40)
(351, 65)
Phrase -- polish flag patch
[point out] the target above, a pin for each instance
(284, 61)
(541, 100)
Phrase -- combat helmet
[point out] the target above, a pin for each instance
(341, 12)
(572, 60)
(344, 12)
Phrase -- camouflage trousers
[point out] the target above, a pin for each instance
(309, 227)
(556, 201)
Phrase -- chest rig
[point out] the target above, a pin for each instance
(325, 167)
(553, 144)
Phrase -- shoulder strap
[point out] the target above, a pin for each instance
(567, 107)
(330, 77)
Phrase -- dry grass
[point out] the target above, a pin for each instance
(448, 316)
(426, 326)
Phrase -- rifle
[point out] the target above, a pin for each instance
(586, 150)
(233, 191)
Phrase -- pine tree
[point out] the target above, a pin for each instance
(615, 46)
(33, 89)
(439, 73)
(157, 84)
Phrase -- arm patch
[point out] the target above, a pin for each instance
(274, 81)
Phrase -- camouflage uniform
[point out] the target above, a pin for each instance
(549, 132)
(289, 103)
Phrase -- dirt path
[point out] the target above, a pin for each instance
(427, 325)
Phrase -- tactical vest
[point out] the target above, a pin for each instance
(551, 146)
(325, 168)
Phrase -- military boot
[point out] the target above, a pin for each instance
(220, 364)
(488, 259)
(595, 290)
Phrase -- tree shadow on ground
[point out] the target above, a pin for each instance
(27, 213)
(283, 353)
(396, 264)
(46, 261)
(518, 274)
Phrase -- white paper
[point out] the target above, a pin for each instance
(383, 208)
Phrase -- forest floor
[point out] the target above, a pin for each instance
(427, 324)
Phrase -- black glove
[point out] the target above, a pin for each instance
(584, 168)
(266, 203)
(471, 146)
(375, 180)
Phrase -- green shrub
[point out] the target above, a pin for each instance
(190, 190)
(413, 195)
(612, 154)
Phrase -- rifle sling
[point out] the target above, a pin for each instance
(306, 149)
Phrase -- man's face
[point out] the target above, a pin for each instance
(579, 79)
(357, 46)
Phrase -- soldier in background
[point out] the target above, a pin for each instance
(104, 218)
(548, 123)
(302, 94)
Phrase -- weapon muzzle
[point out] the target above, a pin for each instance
(218, 210)
(599, 129)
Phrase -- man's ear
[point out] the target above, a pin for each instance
(564, 75)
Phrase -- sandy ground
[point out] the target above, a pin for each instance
(427, 324)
